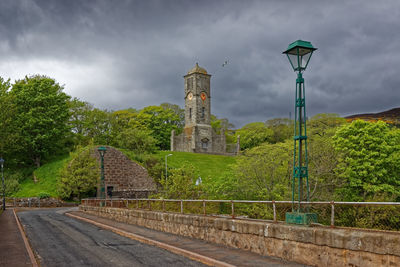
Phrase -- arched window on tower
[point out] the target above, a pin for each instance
(203, 110)
(190, 113)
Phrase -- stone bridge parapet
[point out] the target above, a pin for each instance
(314, 246)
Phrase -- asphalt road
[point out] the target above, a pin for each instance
(59, 240)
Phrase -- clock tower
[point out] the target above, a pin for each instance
(197, 97)
(198, 135)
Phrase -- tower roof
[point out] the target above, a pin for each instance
(197, 69)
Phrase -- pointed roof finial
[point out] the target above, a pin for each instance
(197, 69)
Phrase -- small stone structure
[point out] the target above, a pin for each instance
(313, 246)
(198, 136)
(123, 177)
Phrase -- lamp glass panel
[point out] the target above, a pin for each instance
(304, 60)
(293, 61)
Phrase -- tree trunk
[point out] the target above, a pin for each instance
(37, 161)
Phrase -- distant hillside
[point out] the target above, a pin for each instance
(391, 116)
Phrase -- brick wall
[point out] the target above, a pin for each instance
(123, 174)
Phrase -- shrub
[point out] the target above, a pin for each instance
(79, 177)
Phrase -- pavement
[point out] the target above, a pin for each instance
(14, 248)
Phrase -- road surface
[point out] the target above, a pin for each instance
(59, 240)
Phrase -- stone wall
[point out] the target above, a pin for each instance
(314, 246)
(36, 202)
(190, 140)
(123, 174)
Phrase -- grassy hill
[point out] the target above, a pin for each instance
(47, 175)
(208, 166)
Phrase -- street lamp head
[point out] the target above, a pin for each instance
(102, 150)
(299, 54)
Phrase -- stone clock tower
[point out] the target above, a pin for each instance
(198, 135)
(197, 97)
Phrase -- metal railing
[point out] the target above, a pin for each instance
(370, 215)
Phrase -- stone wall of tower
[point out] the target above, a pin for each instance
(197, 84)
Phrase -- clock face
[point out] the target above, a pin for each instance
(190, 96)
(203, 96)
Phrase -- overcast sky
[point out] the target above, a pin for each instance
(121, 54)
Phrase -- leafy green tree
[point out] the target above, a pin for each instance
(181, 184)
(160, 122)
(321, 124)
(137, 139)
(90, 124)
(122, 120)
(323, 160)
(369, 160)
(79, 120)
(79, 177)
(220, 124)
(322, 156)
(8, 134)
(99, 126)
(262, 172)
(41, 116)
(282, 129)
(254, 134)
(178, 111)
(155, 167)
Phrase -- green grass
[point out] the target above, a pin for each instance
(47, 175)
(208, 166)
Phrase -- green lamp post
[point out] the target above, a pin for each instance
(299, 54)
(102, 151)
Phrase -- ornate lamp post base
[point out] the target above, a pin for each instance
(303, 218)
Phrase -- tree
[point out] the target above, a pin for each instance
(282, 129)
(181, 184)
(321, 124)
(41, 116)
(122, 120)
(99, 126)
(136, 139)
(7, 133)
(220, 124)
(323, 160)
(160, 122)
(262, 173)
(79, 177)
(178, 111)
(369, 160)
(78, 121)
(254, 134)
(322, 156)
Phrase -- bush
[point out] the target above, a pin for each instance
(43, 195)
(79, 177)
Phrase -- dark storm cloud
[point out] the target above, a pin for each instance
(120, 54)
